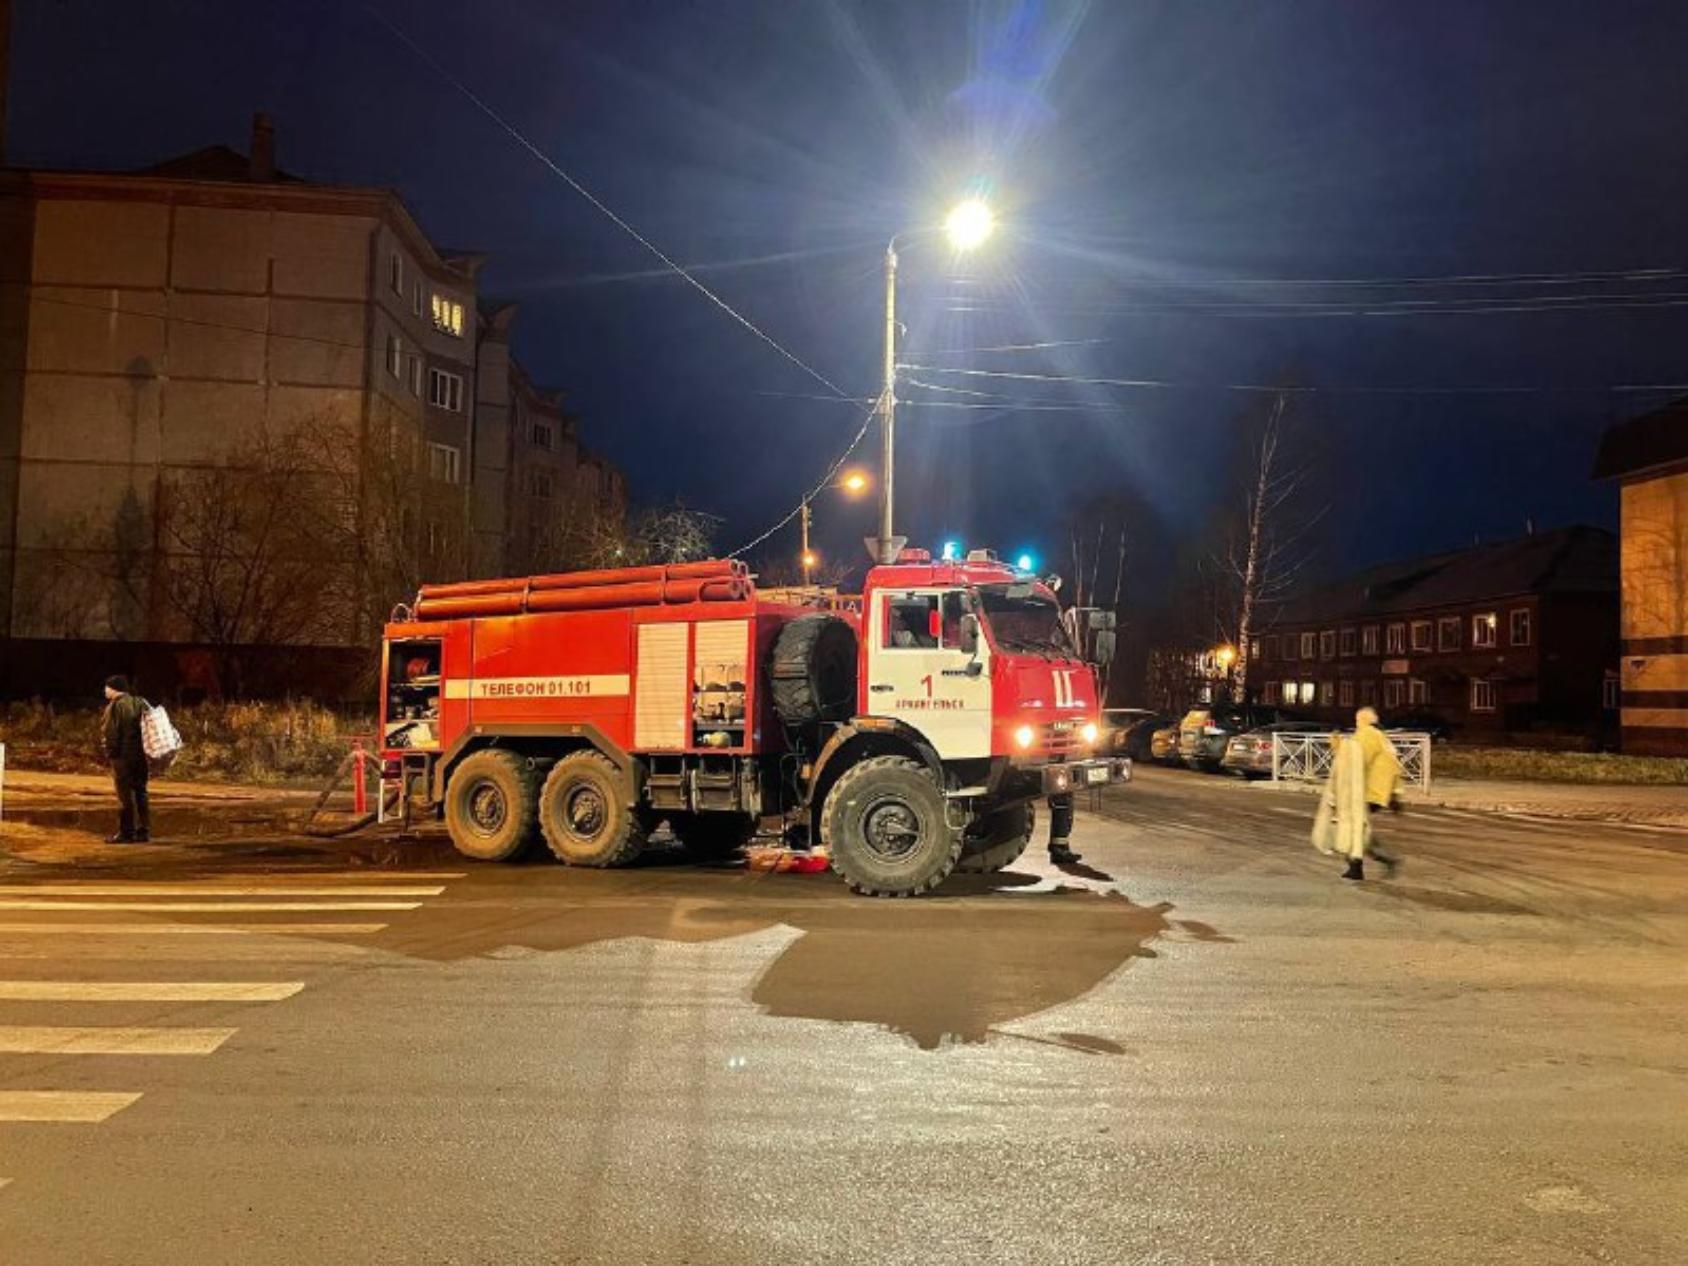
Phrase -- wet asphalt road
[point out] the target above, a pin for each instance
(1200, 1046)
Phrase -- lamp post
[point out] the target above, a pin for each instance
(967, 226)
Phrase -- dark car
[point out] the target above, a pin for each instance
(1130, 730)
(1417, 721)
(1205, 731)
(1250, 754)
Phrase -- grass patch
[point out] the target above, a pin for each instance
(290, 742)
(1530, 765)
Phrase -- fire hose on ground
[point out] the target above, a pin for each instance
(357, 763)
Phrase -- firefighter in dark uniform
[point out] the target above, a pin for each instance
(1061, 830)
(122, 739)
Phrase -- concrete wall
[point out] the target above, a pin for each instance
(1654, 667)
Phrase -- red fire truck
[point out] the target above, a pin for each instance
(911, 734)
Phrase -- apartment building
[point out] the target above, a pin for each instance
(1510, 637)
(154, 322)
(1648, 457)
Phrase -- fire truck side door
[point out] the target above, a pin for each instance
(918, 673)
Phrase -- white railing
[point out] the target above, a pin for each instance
(1306, 757)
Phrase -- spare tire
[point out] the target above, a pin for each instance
(812, 672)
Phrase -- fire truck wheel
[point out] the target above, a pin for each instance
(490, 806)
(712, 836)
(888, 829)
(584, 816)
(996, 840)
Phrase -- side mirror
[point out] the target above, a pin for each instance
(970, 633)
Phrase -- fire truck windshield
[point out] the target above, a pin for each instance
(1022, 619)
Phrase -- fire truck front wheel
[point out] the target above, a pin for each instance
(888, 829)
(585, 817)
(490, 806)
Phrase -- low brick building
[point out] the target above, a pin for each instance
(1648, 456)
(1511, 637)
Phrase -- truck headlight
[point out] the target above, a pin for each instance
(1089, 733)
(1024, 736)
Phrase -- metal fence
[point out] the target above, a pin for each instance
(1306, 757)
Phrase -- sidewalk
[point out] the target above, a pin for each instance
(1588, 802)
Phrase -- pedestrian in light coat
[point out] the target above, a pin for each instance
(1365, 776)
(121, 736)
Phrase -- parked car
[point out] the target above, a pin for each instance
(1163, 745)
(1204, 731)
(1250, 754)
(1417, 721)
(1131, 730)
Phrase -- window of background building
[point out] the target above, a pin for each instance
(1270, 692)
(1345, 694)
(540, 483)
(1308, 690)
(542, 434)
(1368, 640)
(1421, 635)
(1520, 630)
(1309, 646)
(1327, 694)
(416, 376)
(1327, 644)
(1417, 694)
(416, 298)
(1397, 639)
(445, 390)
(1611, 693)
(1289, 693)
(1290, 643)
(1368, 693)
(395, 272)
(1394, 690)
(448, 316)
(443, 463)
(1483, 628)
(1269, 647)
(395, 356)
(1254, 650)
(1349, 640)
(1482, 695)
(1447, 633)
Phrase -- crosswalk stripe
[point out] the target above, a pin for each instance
(190, 929)
(62, 1105)
(70, 1039)
(207, 907)
(211, 890)
(147, 990)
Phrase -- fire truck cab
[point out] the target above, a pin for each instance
(911, 734)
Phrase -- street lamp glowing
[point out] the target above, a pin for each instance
(810, 559)
(855, 481)
(1226, 656)
(969, 224)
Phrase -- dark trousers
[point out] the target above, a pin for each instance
(134, 815)
(1375, 848)
(1061, 817)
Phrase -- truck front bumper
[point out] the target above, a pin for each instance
(1079, 774)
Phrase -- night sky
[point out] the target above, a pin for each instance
(1163, 170)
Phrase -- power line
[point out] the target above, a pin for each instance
(1456, 279)
(1164, 384)
(1291, 308)
(679, 270)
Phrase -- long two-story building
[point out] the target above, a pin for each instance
(1514, 636)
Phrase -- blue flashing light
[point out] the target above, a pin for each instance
(952, 551)
(1026, 562)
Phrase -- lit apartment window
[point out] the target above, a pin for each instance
(1308, 645)
(1397, 639)
(540, 483)
(1520, 621)
(1421, 635)
(1393, 691)
(395, 356)
(1327, 644)
(1447, 633)
(542, 434)
(416, 376)
(395, 272)
(1368, 640)
(416, 298)
(1308, 691)
(1254, 650)
(445, 391)
(1349, 640)
(1368, 693)
(1482, 695)
(1483, 629)
(448, 316)
(1327, 694)
(1289, 693)
(1345, 693)
(444, 463)
(1417, 693)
